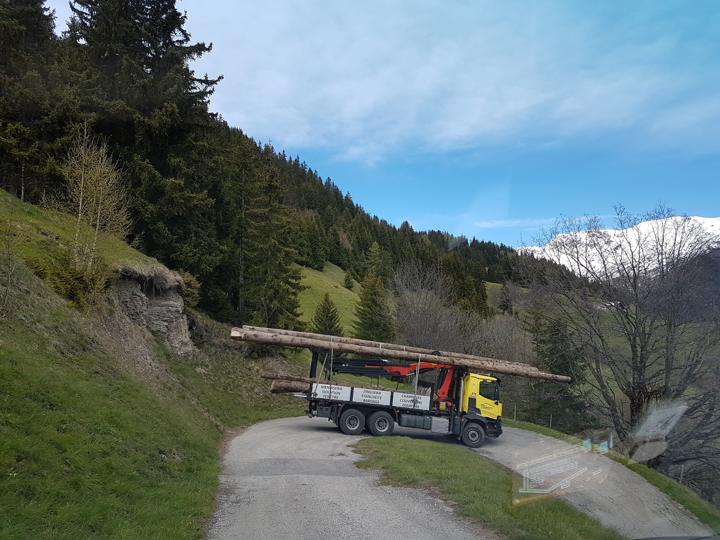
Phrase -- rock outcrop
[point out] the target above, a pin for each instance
(151, 299)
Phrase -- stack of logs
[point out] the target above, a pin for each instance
(291, 338)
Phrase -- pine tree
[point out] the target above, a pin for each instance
(27, 28)
(348, 281)
(326, 319)
(374, 318)
(146, 41)
(481, 300)
(374, 259)
(26, 42)
(377, 263)
(472, 296)
(565, 402)
(318, 251)
(152, 109)
(271, 282)
(505, 305)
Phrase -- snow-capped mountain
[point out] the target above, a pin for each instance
(654, 241)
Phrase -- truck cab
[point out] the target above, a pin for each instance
(481, 394)
(480, 411)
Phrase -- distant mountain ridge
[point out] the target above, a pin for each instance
(636, 235)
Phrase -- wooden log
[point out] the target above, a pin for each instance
(380, 345)
(486, 364)
(288, 387)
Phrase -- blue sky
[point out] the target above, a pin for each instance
(488, 119)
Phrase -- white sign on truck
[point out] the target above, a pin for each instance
(330, 391)
(371, 397)
(411, 401)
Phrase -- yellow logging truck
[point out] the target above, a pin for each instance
(444, 385)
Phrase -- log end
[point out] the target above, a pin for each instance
(236, 332)
(288, 387)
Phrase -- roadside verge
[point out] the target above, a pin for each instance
(482, 489)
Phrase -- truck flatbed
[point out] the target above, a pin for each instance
(370, 396)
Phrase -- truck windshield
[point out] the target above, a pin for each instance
(490, 390)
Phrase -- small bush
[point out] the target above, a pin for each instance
(190, 291)
(84, 288)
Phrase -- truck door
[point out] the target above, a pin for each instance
(489, 401)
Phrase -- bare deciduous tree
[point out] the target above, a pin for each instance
(427, 317)
(637, 307)
(95, 195)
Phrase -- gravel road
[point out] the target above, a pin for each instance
(611, 493)
(296, 478)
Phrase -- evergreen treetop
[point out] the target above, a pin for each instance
(566, 403)
(505, 305)
(348, 281)
(377, 263)
(374, 320)
(326, 319)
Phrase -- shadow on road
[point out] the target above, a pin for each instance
(437, 434)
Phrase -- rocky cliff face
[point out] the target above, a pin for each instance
(152, 300)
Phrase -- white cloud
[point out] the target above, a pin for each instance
(364, 79)
(688, 121)
(530, 223)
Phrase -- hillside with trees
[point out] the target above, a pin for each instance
(204, 197)
(112, 413)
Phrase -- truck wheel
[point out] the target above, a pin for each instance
(381, 423)
(473, 435)
(352, 422)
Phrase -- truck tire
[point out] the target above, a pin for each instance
(352, 422)
(473, 435)
(381, 423)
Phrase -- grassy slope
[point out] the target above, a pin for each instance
(703, 510)
(330, 280)
(483, 489)
(40, 233)
(88, 448)
(85, 449)
(493, 293)
(229, 385)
